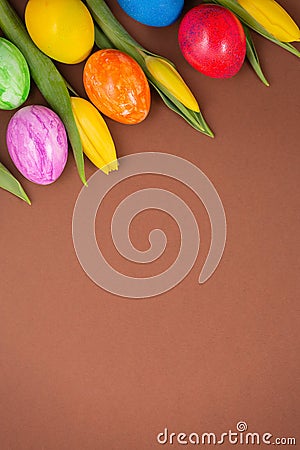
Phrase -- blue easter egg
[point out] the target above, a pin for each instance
(156, 13)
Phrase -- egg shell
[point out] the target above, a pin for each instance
(62, 29)
(14, 76)
(37, 143)
(212, 40)
(156, 13)
(117, 86)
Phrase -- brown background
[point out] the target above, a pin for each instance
(85, 370)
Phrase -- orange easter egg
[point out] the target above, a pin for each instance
(117, 86)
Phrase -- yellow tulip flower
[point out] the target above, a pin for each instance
(95, 136)
(273, 18)
(167, 76)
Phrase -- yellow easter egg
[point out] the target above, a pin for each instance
(63, 30)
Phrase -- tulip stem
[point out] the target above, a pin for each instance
(71, 89)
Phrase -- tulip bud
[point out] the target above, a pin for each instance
(95, 136)
(167, 76)
(273, 18)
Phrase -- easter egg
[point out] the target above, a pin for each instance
(14, 76)
(63, 30)
(117, 86)
(212, 40)
(37, 143)
(157, 13)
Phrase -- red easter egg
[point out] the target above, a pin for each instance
(212, 40)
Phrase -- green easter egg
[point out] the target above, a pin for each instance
(14, 76)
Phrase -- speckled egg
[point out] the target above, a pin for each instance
(212, 40)
(37, 143)
(14, 76)
(157, 13)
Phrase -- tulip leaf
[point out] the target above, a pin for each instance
(248, 20)
(11, 184)
(195, 119)
(108, 22)
(70, 88)
(101, 39)
(253, 56)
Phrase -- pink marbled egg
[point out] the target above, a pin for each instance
(37, 143)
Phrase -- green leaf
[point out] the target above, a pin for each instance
(46, 76)
(253, 56)
(70, 88)
(195, 119)
(248, 20)
(11, 184)
(125, 42)
(108, 22)
(101, 39)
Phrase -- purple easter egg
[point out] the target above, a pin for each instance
(37, 143)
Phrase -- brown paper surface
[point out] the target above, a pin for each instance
(82, 369)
